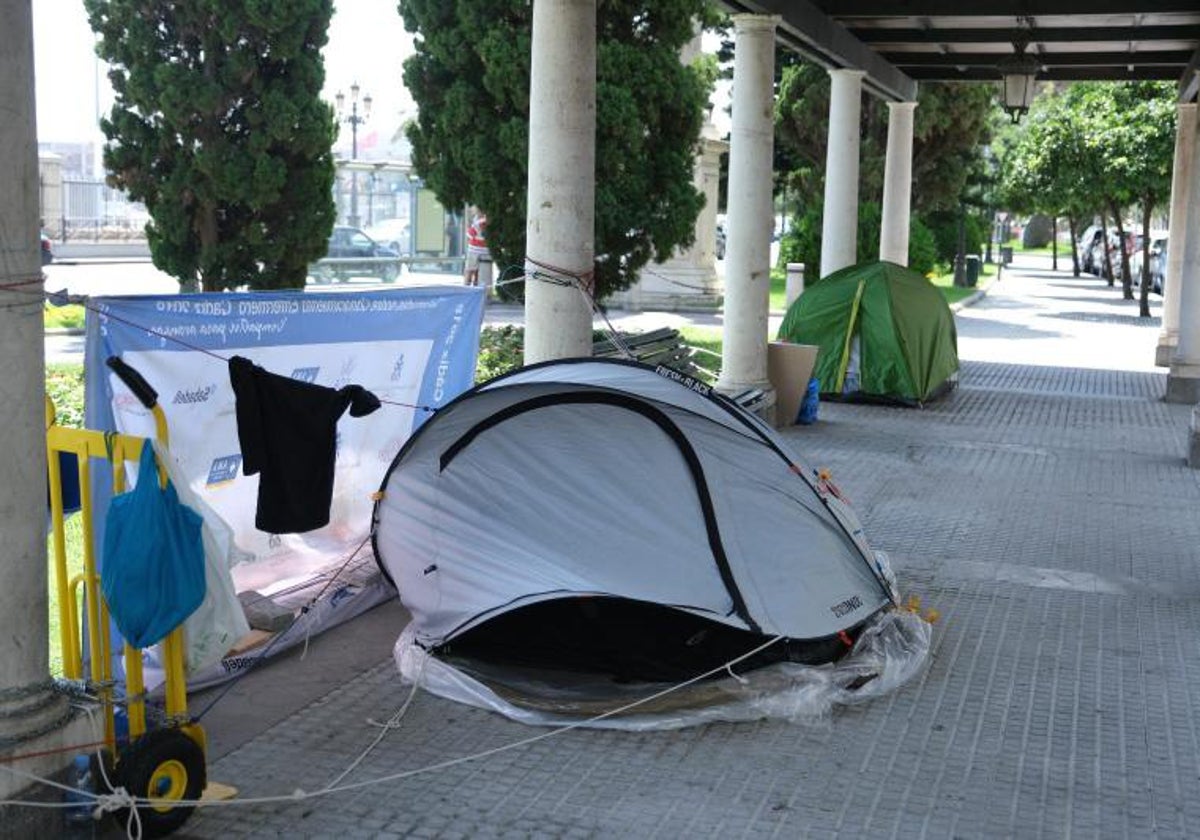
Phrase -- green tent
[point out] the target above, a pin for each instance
(885, 333)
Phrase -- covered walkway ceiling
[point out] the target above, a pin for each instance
(901, 42)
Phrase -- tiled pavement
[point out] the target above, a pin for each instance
(1044, 509)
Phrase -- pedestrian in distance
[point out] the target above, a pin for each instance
(477, 249)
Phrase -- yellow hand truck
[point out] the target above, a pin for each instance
(161, 765)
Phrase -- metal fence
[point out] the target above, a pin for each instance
(95, 211)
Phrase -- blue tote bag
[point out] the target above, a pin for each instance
(153, 571)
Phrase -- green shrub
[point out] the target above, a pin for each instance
(62, 317)
(501, 349)
(802, 243)
(944, 225)
(64, 386)
(922, 247)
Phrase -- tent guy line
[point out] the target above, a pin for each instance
(124, 800)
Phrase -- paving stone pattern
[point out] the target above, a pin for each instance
(1046, 512)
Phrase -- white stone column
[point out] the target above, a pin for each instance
(1183, 382)
(560, 227)
(1185, 138)
(839, 227)
(32, 712)
(897, 184)
(747, 249)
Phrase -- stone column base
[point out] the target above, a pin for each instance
(671, 287)
(1163, 352)
(1183, 387)
(55, 750)
(1193, 455)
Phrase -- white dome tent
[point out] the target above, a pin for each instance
(575, 530)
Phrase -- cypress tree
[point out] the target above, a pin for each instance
(219, 128)
(470, 78)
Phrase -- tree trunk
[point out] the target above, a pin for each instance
(960, 259)
(1144, 297)
(206, 229)
(1108, 272)
(1054, 243)
(1071, 228)
(1126, 280)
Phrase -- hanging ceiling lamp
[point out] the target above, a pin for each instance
(1019, 72)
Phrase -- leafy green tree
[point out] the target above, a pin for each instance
(1048, 168)
(802, 242)
(218, 127)
(1133, 131)
(470, 78)
(950, 125)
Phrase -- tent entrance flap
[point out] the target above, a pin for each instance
(622, 641)
(851, 326)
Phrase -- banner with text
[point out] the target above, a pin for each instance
(414, 348)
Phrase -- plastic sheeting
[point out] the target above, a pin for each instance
(890, 652)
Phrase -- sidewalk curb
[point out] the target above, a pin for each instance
(969, 300)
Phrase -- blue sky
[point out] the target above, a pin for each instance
(367, 43)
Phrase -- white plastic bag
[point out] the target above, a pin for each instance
(219, 621)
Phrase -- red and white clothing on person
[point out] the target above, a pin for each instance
(476, 247)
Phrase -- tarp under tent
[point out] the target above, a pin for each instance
(885, 333)
(569, 532)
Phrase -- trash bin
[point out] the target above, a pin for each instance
(1006, 254)
(972, 270)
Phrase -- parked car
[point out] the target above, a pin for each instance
(47, 249)
(392, 233)
(1158, 261)
(1088, 252)
(1133, 243)
(351, 253)
(1114, 247)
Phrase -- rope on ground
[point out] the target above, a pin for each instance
(388, 725)
(121, 799)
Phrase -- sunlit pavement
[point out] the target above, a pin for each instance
(1043, 508)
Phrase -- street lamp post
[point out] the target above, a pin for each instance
(354, 120)
(990, 179)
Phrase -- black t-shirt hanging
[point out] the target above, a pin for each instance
(288, 433)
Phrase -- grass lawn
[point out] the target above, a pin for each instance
(73, 529)
(952, 293)
(707, 341)
(1064, 249)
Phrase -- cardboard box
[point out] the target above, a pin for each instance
(789, 367)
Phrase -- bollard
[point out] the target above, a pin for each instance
(795, 282)
(485, 275)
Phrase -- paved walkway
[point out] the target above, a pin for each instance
(1044, 508)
